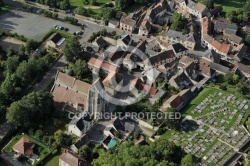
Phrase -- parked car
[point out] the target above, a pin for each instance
(66, 29)
(55, 26)
(61, 28)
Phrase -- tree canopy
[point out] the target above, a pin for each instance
(178, 23)
(31, 110)
(159, 153)
(72, 50)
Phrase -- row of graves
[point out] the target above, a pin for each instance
(215, 132)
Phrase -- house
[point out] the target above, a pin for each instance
(161, 58)
(113, 23)
(99, 42)
(178, 49)
(95, 64)
(73, 95)
(168, 69)
(144, 28)
(151, 75)
(205, 69)
(55, 41)
(24, 147)
(216, 10)
(196, 9)
(175, 101)
(136, 56)
(244, 70)
(235, 40)
(124, 40)
(220, 69)
(125, 125)
(187, 95)
(79, 126)
(113, 83)
(172, 36)
(70, 159)
(212, 56)
(180, 81)
(83, 140)
(221, 26)
(127, 24)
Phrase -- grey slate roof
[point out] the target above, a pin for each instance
(178, 47)
(179, 36)
(219, 67)
(235, 38)
(222, 25)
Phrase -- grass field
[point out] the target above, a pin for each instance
(228, 5)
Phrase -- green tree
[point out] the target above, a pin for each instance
(72, 50)
(80, 69)
(178, 22)
(31, 45)
(58, 136)
(31, 110)
(209, 4)
(247, 39)
(10, 52)
(82, 11)
(65, 5)
(188, 161)
(11, 63)
(84, 152)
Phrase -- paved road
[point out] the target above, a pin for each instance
(50, 76)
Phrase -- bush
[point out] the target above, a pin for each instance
(71, 20)
(28, 8)
(223, 86)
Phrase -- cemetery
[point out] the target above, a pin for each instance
(211, 129)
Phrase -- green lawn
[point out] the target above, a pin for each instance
(9, 147)
(52, 160)
(195, 102)
(228, 5)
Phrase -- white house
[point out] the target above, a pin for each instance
(79, 126)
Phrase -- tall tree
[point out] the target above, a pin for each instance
(72, 50)
(31, 111)
(188, 161)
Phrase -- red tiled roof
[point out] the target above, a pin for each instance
(149, 89)
(220, 46)
(70, 159)
(175, 101)
(105, 65)
(24, 146)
